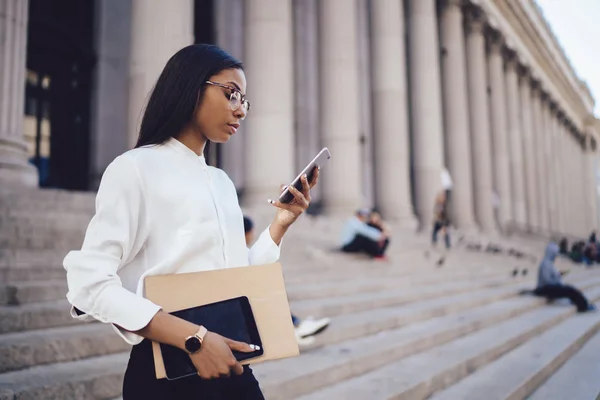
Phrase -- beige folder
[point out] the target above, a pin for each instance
(262, 284)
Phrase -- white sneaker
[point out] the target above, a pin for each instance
(304, 341)
(311, 327)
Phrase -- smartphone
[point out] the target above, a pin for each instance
(320, 159)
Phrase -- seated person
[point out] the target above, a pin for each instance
(550, 283)
(564, 246)
(577, 252)
(305, 329)
(358, 237)
(375, 221)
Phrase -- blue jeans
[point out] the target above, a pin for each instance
(295, 320)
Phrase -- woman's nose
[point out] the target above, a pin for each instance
(240, 113)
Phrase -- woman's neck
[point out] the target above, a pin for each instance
(193, 141)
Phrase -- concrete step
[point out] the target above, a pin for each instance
(46, 200)
(369, 322)
(577, 378)
(32, 291)
(313, 370)
(107, 378)
(25, 349)
(46, 346)
(412, 269)
(386, 298)
(358, 324)
(56, 313)
(26, 292)
(23, 258)
(92, 379)
(35, 316)
(420, 375)
(31, 274)
(515, 375)
(57, 237)
(319, 290)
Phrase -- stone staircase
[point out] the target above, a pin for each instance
(403, 329)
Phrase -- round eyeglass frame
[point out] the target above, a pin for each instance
(236, 96)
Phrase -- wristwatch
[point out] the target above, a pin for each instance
(193, 343)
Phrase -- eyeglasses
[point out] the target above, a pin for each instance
(236, 98)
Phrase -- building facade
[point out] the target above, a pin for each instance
(398, 90)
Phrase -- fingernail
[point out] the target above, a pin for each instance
(304, 176)
(254, 347)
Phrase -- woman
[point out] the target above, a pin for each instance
(161, 210)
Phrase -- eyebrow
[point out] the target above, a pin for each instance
(236, 85)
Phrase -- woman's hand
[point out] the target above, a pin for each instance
(215, 359)
(287, 214)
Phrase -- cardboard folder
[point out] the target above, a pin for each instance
(263, 285)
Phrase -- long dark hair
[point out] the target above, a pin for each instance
(180, 85)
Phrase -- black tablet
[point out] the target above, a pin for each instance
(230, 318)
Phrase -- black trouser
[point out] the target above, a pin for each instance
(362, 243)
(140, 382)
(437, 226)
(553, 292)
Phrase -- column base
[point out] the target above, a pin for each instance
(15, 170)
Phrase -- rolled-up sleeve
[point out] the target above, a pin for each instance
(264, 250)
(114, 236)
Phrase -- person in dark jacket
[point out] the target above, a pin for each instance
(550, 283)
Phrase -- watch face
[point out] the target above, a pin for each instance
(193, 344)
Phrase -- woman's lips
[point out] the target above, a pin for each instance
(233, 128)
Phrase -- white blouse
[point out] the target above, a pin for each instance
(159, 210)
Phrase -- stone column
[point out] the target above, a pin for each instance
(515, 141)
(538, 139)
(548, 163)
(573, 196)
(229, 21)
(365, 102)
(392, 157)
(566, 178)
(456, 113)
(270, 123)
(498, 113)
(14, 166)
(306, 85)
(340, 114)
(562, 174)
(556, 169)
(481, 151)
(109, 118)
(576, 195)
(590, 180)
(158, 30)
(426, 106)
(528, 151)
(581, 190)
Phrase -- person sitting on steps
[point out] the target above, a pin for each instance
(550, 283)
(358, 237)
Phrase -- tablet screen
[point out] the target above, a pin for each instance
(231, 318)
